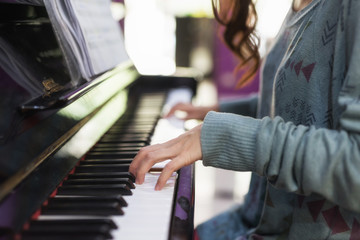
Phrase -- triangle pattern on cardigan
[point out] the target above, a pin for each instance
(307, 70)
(335, 220)
(315, 208)
(355, 232)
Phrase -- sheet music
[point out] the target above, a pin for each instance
(88, 33)
(17, 66)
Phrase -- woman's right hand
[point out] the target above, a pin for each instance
(191, 111)
(182, 151)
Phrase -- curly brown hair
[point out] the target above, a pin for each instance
(239, 18)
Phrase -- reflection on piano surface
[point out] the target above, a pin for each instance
(65, 151)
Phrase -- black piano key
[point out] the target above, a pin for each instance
(92, 168)
(102, 181)
(37, 225)
(59, 235)
(119, 145)
(124, 152)
(106, 161)
(125, 134)
(150, 102)
(151, 105)
(140, 129)
(135, 122)
(129, 133)
(157, 96)
(145, 115)
(127, 138)
(105, 155)
(148, 111)
(94, 190)
(125, 141)
(108, 208)
(131, 122)
(115, 149)
(84, 199)
(76, 227)
(138, 122)
(6, 233)
(102, 175)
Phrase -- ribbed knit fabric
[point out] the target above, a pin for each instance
(237, 133)
(305, 143)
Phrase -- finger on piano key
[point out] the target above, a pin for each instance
(146, 159)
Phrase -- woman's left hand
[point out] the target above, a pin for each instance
(183, 150)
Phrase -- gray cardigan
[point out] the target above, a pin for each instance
(305, 141)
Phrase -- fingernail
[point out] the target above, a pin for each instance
(157, 188)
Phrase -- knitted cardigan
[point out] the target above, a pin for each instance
(304, 145)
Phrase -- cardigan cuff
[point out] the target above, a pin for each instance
(229, 141)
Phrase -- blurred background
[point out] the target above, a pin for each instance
(162, 36)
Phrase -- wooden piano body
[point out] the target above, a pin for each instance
(45, 136)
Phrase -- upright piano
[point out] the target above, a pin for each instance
(65, 149)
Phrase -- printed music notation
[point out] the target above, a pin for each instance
(88, 33)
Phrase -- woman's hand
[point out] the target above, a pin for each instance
(191, 111)
(183, 150)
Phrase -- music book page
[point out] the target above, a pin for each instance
(88, 33)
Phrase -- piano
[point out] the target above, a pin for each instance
(65, 149)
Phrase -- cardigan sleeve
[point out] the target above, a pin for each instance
(297, 158)
(244, 106)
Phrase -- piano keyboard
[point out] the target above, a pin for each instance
(99, 199)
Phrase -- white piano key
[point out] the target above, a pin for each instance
(148, 214)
